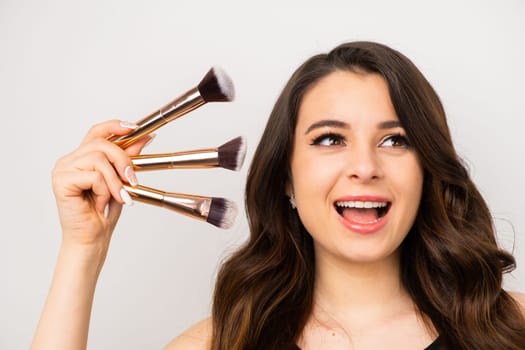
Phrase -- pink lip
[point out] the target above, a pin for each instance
(360, 227)
(364, 198)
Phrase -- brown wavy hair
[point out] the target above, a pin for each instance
(450, 261)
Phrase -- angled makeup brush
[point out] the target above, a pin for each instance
(216, 86)
(220, 212)
(229, 156)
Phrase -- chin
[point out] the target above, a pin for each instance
(367, 255)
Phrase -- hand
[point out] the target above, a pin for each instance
(88, 189)
(87, 184)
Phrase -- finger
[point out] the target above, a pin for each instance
(113, 212)
(105, 157)
(101, 193)
(137, 147)
(111, 171)
(119, 159)
(108, 128)
(67, 184)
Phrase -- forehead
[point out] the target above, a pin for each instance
(353, 97)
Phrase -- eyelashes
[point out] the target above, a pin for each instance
(334, 139)
(328, 139)
(396, 141)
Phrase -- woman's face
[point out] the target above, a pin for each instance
(356, 179)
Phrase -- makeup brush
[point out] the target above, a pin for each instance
(229, 156)
(216, 86)
(219, 212)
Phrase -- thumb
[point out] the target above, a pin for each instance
(112, 213)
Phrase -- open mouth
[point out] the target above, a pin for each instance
(362, 212)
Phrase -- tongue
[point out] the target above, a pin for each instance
(360, 216)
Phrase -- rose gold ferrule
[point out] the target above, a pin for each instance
(196, 159)
(173, 110)
(197, 207)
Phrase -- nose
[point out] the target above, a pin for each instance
(363, 165)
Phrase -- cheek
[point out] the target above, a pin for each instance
(407, 180)
(314, 176)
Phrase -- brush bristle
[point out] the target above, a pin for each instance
(222, 212)
(231, 154)
(216, 86)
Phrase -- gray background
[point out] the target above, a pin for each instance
(65, 65)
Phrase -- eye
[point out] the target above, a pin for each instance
(395, 141)
(329, 139)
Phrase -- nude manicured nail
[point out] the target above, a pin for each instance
(125, 197)
(130, 176)
(151, 138)
(129, 125)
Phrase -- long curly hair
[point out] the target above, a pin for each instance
(450, 261)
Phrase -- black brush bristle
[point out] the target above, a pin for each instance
(216, 86)
(222, 212)
(231, 154)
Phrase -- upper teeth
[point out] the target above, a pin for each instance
(361, 204)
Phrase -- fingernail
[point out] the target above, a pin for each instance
(129, 125)
(106, 211)
(152, 137)
(125, 197)
(130, 176)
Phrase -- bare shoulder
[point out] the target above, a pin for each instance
(197, 337)
(520, 299)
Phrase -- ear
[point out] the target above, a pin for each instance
(291, 196)
(289, 189)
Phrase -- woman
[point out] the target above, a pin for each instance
(366, 230)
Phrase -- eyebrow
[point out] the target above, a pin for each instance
(389, 124)
(328, 122)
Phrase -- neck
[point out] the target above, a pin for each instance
(355, 291)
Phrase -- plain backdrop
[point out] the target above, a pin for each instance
(66, 65)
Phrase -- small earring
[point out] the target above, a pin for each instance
(292, 201)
